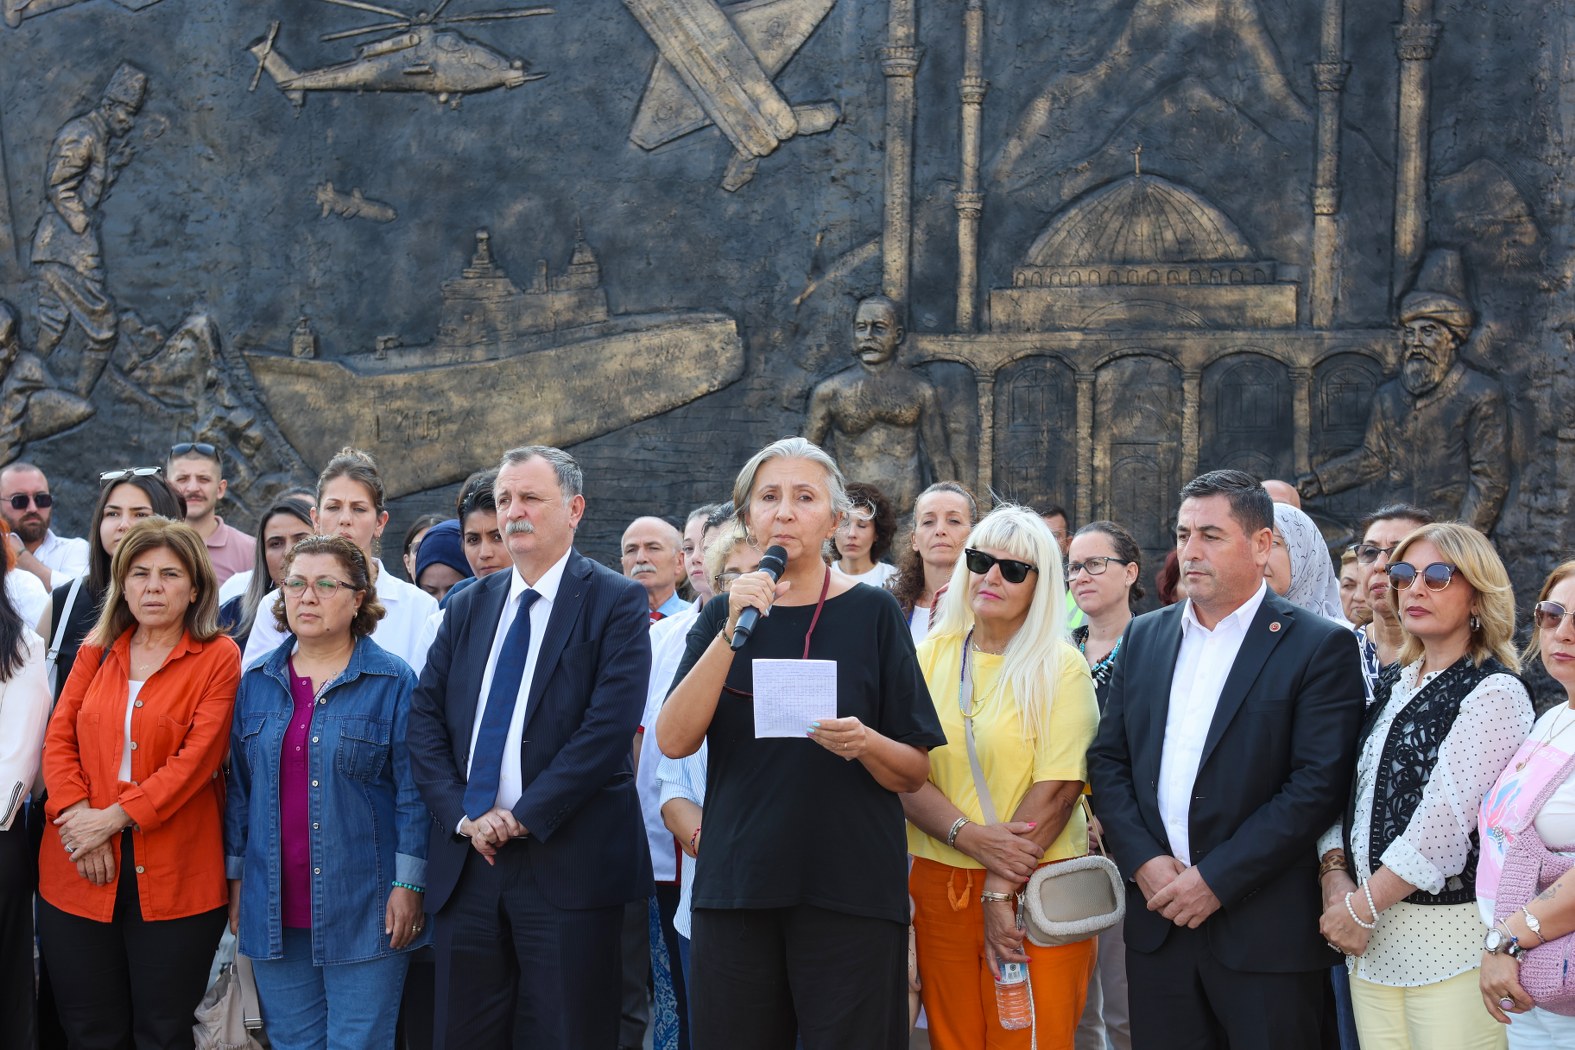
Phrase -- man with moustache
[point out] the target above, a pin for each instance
(881, 420)
(1439, 432)
(1228, 740)
(519, 741)
(196, 471)
(27, 506)
(652, 558)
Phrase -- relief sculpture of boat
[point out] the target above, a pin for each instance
(549, 364)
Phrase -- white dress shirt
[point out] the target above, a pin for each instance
(669, 641)
(66, 557)
(25, 701)
(1202, 665)
(510, 782)
(401, 631)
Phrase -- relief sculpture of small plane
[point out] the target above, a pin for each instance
(16, 10)
(716, 65)
(422, 55)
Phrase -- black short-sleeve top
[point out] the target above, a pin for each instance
(786, 821)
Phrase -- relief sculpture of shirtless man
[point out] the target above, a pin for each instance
(880, 419)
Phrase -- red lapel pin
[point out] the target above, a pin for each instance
(1275, 626)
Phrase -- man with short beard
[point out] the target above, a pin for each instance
(1439, 432)
(27, 506)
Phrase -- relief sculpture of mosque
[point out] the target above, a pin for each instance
(1117, 243)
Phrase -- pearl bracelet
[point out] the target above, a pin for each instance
(1357, 918)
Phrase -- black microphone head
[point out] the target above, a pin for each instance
(773, 561)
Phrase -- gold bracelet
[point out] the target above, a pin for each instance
(1001, 898)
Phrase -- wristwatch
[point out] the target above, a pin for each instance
(1497, 941)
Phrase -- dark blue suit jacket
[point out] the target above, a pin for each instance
(586, 844)
(1274, 775)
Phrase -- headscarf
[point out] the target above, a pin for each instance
(1314, 584)
(441, 546)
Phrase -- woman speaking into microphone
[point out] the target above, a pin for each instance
(800, 898)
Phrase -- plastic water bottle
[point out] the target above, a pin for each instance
(1012, 999)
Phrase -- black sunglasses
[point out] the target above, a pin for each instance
(1367, 553)
(186, 448)
(109, 477)
(41, 500)
(1012, 571)
(1436, 576)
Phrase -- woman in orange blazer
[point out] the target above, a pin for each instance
(131, 871)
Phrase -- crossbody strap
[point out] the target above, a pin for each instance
(964, 703)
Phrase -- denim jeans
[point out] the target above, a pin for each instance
(342, 1005)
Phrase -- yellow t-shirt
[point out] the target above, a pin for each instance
(1012, 762)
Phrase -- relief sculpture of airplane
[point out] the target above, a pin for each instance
(716, 66)
(16, 10)
(418, 56)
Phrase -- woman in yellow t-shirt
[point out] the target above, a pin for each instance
(998, 654)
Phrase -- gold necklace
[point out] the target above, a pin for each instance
(1552, 734)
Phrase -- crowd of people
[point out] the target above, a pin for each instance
(465, 809)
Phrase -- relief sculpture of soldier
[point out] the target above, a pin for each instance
(84, 161)
(1439, 432)
(882, 419)
(31, 407)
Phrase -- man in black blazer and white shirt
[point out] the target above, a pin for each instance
(1226, 747)
(519, 740)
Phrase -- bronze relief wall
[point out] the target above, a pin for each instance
(1135, 239)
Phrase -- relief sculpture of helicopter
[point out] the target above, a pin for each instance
(422, 54)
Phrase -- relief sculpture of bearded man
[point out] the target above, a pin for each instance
(880, 419)
(1438, 435)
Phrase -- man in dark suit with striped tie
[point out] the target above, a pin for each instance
(519, 739)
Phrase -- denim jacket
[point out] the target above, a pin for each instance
(369, 827)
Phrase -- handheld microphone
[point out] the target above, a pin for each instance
(772, 562)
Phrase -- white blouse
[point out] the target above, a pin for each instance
(1417, 944)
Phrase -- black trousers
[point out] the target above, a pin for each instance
(1185, 999)
(771, 978)
(128, 983)
(18, 1018)
(514, 970)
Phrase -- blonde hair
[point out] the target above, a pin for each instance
(728, 536)
(150, 534)
(1478, 564)
(1560, 573)
(1033, 656)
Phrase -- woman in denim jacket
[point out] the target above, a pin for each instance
(325, 834)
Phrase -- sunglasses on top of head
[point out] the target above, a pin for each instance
(111, 476)
(1012, 570)
(1436, 576)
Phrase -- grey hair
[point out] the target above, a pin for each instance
(571, 479)
(792, 448)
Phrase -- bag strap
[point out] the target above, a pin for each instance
(246, 981)
(964, 702)
(53, 655)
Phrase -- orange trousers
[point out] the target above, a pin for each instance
(958, 990)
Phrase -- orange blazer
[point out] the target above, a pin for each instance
(180, 729)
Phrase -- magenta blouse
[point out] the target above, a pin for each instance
(294, 818)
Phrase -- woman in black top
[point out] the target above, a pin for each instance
(125, 497)
(1103, 567)
(800, 903)
(1104, 571)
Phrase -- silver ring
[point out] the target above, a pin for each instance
(71, 849)
(1506, 1002)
